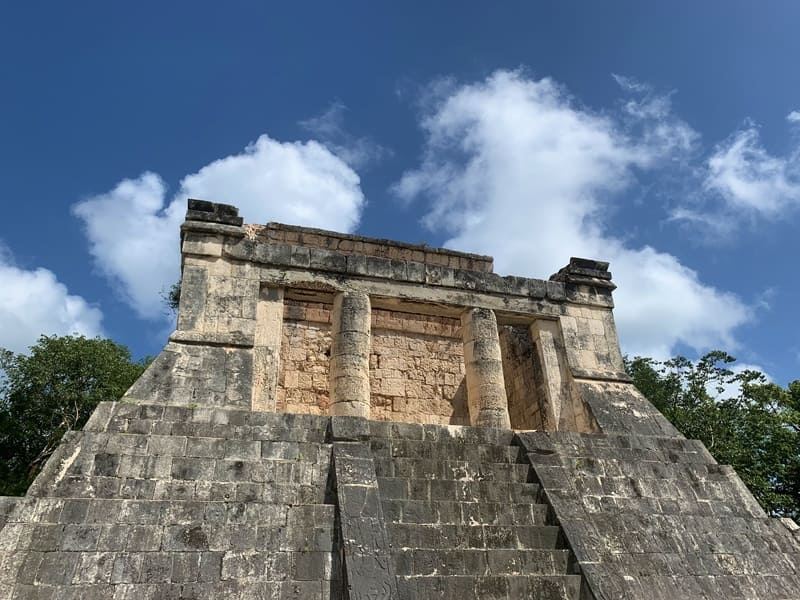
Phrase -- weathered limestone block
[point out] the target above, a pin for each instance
(486, 392)
(213, 212)
(303, 381)
(267, 348)
(349, 371)
(657, 517)
(194, 283)
(519, 371)
(417, 368)
(549, 345)
(367, 559)
(202, 244)
(619, 407)
(196, 374)
(348, 245)
(230, 304)
(590, 338)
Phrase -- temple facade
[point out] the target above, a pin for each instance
(346, 418)
(316, 322)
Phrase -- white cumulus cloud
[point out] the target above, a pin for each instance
(133, 229)
(750, 180)
(513, 167)
(34, 302)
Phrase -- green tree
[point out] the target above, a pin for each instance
(744, 420)
(172, 297)
(52, 389)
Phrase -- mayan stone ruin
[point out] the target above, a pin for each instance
(337, 417)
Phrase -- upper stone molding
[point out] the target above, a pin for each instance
(585, 271)
(347, 257)
(212, 212)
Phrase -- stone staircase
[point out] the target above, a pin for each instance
(464, 520)
(176, 502)
(656, 517)
(167, 502)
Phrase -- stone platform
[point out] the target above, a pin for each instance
(338, 417)
(153, 501)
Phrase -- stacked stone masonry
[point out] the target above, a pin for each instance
(151, 501)
(308, 432)
(358, 245)
(417, 369)
(416, 365)
(663, 510)
(520, 367)
(304, 358)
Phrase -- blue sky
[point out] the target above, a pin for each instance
(663, 137)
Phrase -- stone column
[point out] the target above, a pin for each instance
(267, 348)
(486, 390)
(546, 338)
(349, 369)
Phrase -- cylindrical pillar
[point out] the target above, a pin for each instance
(486, 390)
(349, 368)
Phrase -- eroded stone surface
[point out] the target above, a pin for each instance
(657, 517)
(262, 297)
(207, 482)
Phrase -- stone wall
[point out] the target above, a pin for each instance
(191, 374)
(522, 389)
(220, 303)
(416, 365)
(238, 305)
(590, 339)
(417, 369)
(358, 245)
(305, 358)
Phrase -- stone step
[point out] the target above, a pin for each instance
(154, 467)
(165, 512)
(479, 562)
(260, 470)
(464, 513)
(230, 590)
(59, 573)
(206, 422)
(109, 413)
(451, 469)
(200, 537)
(127, 525)
(82, 486)
(541, 587)
(461, 491)
(233, 432)
(452, 450)
(412, 535)
(138, 444)
(436, 433)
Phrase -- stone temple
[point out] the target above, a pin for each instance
(338, 417)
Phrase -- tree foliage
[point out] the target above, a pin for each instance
(172, 297)
(744, 420)
(52, 389)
